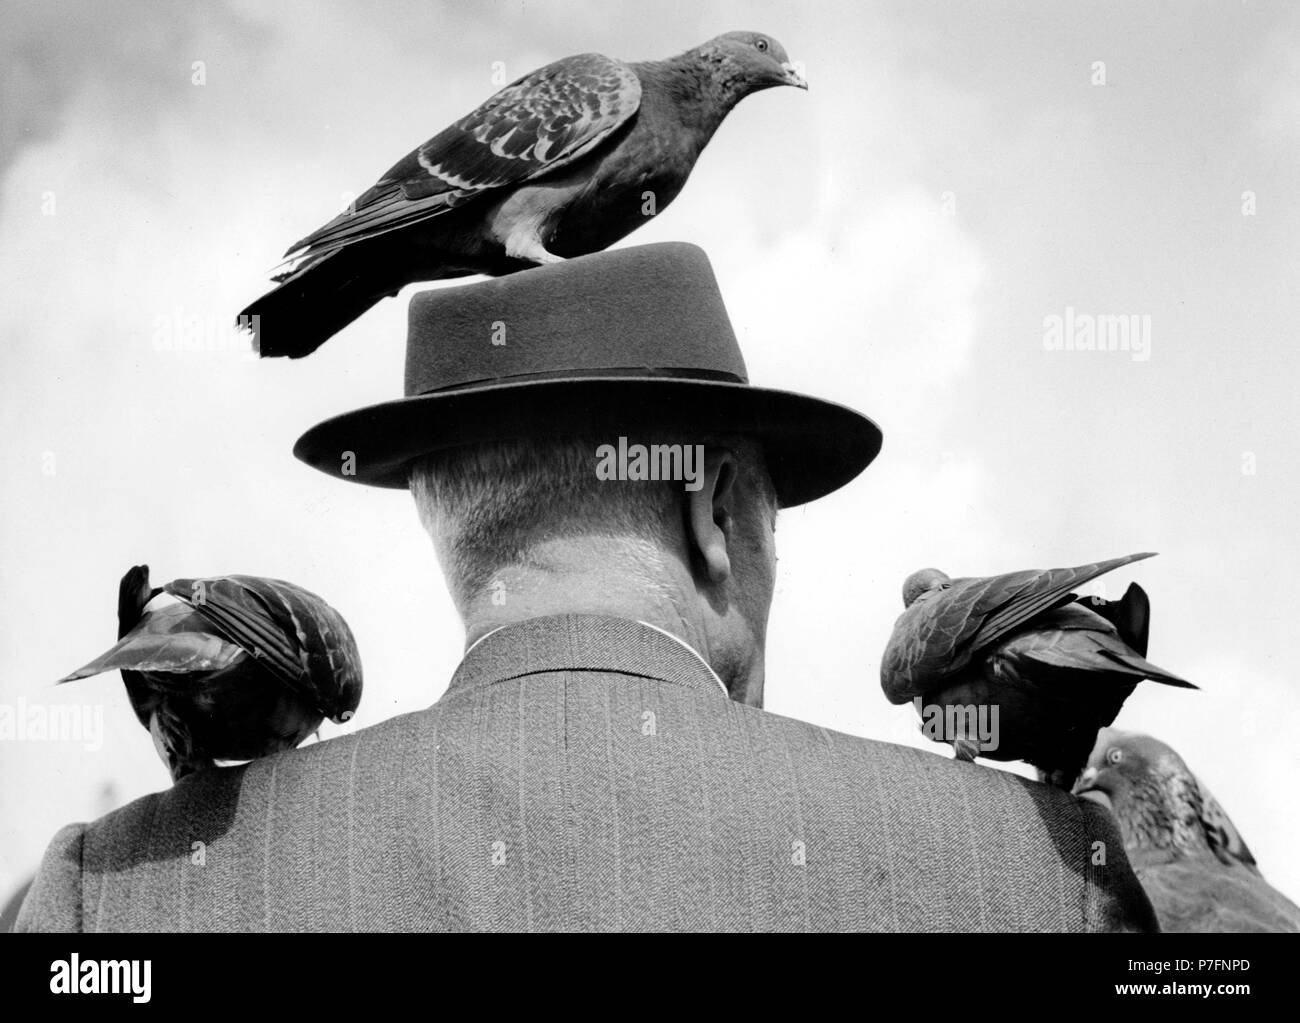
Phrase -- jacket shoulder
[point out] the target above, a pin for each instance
(982, 834)
(54, 901)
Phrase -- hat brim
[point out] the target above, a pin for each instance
(812, 447)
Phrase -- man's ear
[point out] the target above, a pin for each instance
(709, 513)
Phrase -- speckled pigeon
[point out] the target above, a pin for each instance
(1190, 858)
(563, 162)
(230, 667)
(1044, 668)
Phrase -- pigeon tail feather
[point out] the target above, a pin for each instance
(133, 593)
(1139, 665)
(313, 304)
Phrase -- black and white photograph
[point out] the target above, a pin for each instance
(559, 466)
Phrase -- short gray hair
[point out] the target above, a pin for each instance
(487, 505)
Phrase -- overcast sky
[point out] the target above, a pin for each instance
(897, 239)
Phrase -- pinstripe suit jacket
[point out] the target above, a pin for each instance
(586, 772)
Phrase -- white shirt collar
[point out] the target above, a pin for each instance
(681, 642)
(480, 640)
(676, 639)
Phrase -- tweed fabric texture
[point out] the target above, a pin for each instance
(586, 773)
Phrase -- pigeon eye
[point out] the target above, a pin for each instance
(346, 715)
(1114, 756)
(760, 44)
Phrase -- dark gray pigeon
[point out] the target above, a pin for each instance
(563, 162)
(1023, 657)
(229, 667)
(1190, 858)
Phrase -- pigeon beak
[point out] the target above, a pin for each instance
(1083, 788)
(794, 75)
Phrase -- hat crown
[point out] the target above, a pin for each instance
(648, 310)
(630, 340)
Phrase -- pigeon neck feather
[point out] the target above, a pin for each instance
(703, 85)
(1163, 818)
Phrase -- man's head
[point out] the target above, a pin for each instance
(622, 342)
(530, 527)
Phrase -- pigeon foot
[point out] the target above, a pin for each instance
(530, 248)
(964, 749)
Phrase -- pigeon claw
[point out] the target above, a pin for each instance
(965, 749)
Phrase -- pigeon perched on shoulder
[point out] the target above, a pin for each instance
(563, 162)
(1017, 666)
(1189, 856)
(230, 667)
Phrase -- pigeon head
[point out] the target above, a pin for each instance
(349, 699)
(1122, 764)
(1162, 808)
(1146, 785)
(746, 62)
(923, 583)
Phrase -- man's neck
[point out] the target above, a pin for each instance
(602, 576)
(622, 578)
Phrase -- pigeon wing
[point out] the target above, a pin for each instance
(242, 616)
(936, 638)
(291, 632)
(533, 126)
(154, 647)
(1004, 608)
(323, 642)
(1224, 838)
(1074, 639)
(925, 640)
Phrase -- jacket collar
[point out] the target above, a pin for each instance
(579, 642)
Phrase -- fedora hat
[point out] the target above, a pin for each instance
(625, 343)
